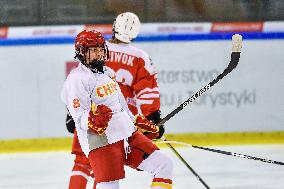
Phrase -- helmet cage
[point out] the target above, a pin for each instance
(86, 40)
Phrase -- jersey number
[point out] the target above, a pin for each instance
(76, 103)
(124, 77)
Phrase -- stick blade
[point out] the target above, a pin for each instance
(236, 43)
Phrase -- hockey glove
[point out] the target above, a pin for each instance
(155, 117)
(70, 124)
(98, 119)
(155, 136)
(146, 126)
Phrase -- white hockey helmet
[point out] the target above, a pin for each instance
(126, 27)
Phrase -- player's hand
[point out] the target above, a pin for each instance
(147, 127)
(98, 119)
(70, 124)
(155, 136)
(155, 117)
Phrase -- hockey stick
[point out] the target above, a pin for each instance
(239, 155)
(226, 153)
(186, 164)
(235, 55)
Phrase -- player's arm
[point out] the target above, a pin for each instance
(148, 95)
(86, 114)
(149, 128)
(146, 87)
(76, 98)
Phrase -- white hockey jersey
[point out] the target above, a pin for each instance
(82, 88)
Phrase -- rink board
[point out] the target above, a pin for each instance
(204, 139)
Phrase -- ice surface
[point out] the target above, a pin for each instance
(52, 170)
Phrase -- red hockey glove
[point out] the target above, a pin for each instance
(98, 119)
(155, 117)
(144, 125)
(155, 136)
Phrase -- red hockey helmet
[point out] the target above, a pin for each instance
(87, 39)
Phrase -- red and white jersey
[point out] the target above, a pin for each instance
(82, 88)
(136, 76)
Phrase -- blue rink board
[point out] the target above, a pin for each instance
(150, 38)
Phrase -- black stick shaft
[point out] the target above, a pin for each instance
(187, 165)
(239, 155)
(235, 56)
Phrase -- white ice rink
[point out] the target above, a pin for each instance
(51, 170)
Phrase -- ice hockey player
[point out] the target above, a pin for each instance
(137, 78)
(134, 70)
(106, 128)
